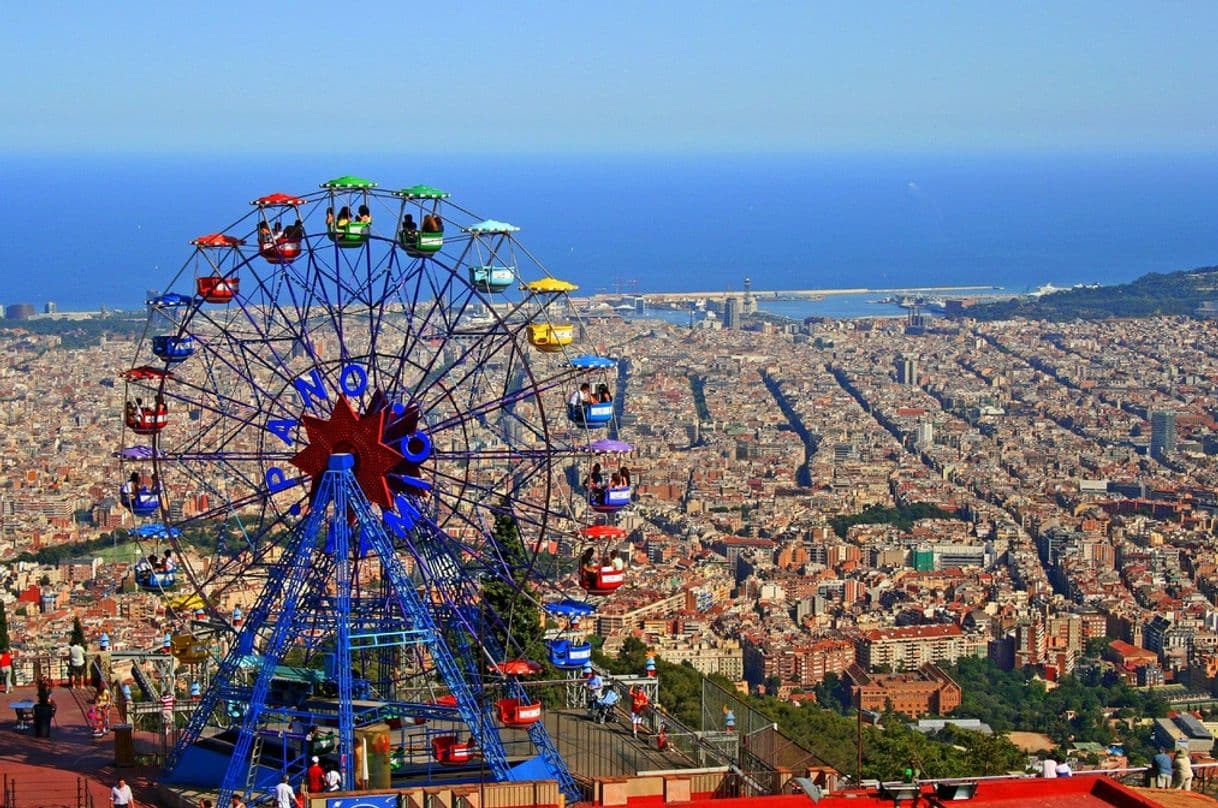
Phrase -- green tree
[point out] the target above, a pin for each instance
(517, 625)
(78, 633)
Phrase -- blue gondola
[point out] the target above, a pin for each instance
(157, 581)
(491, 278)
(610, 499)
(591, 415)
(170, 300)
(569, 655)
(173, 349)
(144, 503)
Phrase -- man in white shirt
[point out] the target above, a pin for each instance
(76, 665)
(284, 796)
(120, 795)
(334, 780)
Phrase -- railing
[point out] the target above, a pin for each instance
(47, 792)
(1205, 776)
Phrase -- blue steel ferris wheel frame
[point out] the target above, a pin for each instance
(464, 397)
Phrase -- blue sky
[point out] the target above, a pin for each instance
(621, 77)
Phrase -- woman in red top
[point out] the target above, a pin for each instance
(6, 669)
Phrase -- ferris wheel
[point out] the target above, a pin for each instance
(356, 412)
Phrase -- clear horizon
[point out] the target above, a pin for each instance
(637, 78)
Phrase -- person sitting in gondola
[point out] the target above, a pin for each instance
(588, 567)
(624, 473)
(432, 223)
(344, 218)
(603, 395)
(154, 561)
(169, 565)
(277, 232)
(329, 218)
(143, 568)
(617, 562)
(294, 232)
(161, 408)
(129, 489)
(129, 412)
(581, 396)
(265, 239)
(595, 481)
(410, 230)
(365, 215)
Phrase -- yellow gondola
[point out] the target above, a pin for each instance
(551, 338)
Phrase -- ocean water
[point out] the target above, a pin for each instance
(90, 230)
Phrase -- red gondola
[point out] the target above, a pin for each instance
(217, 288)
(513, 713)
(146, 373)
(147, 420)
(216, 240)
(518, 667)
(602, 532)
(604, 581)
(449, 752)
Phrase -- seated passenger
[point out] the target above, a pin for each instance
(329, 218)
(603, 395)
(129, 412)
(294, 232)
(365, 215)
(624, 473)
(433, 224)
(581, 396)
(169, 565)
(588, 567)
(410, 230)
(277, 232)
(264, 234)
(154, 561)
(617, 562)
(594, 482)
(344, 218)
(130, 488)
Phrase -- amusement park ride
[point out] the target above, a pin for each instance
(343, 424)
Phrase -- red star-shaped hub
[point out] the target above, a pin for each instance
(359, 436)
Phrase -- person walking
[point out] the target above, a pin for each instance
(285, 797)
(120, 795)
(1163, 768)
(1184, 770)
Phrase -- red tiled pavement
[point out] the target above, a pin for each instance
(52, 772)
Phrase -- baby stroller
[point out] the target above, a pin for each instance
(602, 709)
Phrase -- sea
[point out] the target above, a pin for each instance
(98, 230)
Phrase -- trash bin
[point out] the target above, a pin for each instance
(124, 746)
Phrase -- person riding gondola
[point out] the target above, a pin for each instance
(365, 214)
(432, 223)
(603, 395)
(410, 230)
(294, 232)
(595, 481)
(129, 489)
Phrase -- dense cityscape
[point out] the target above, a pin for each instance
(859, 501)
